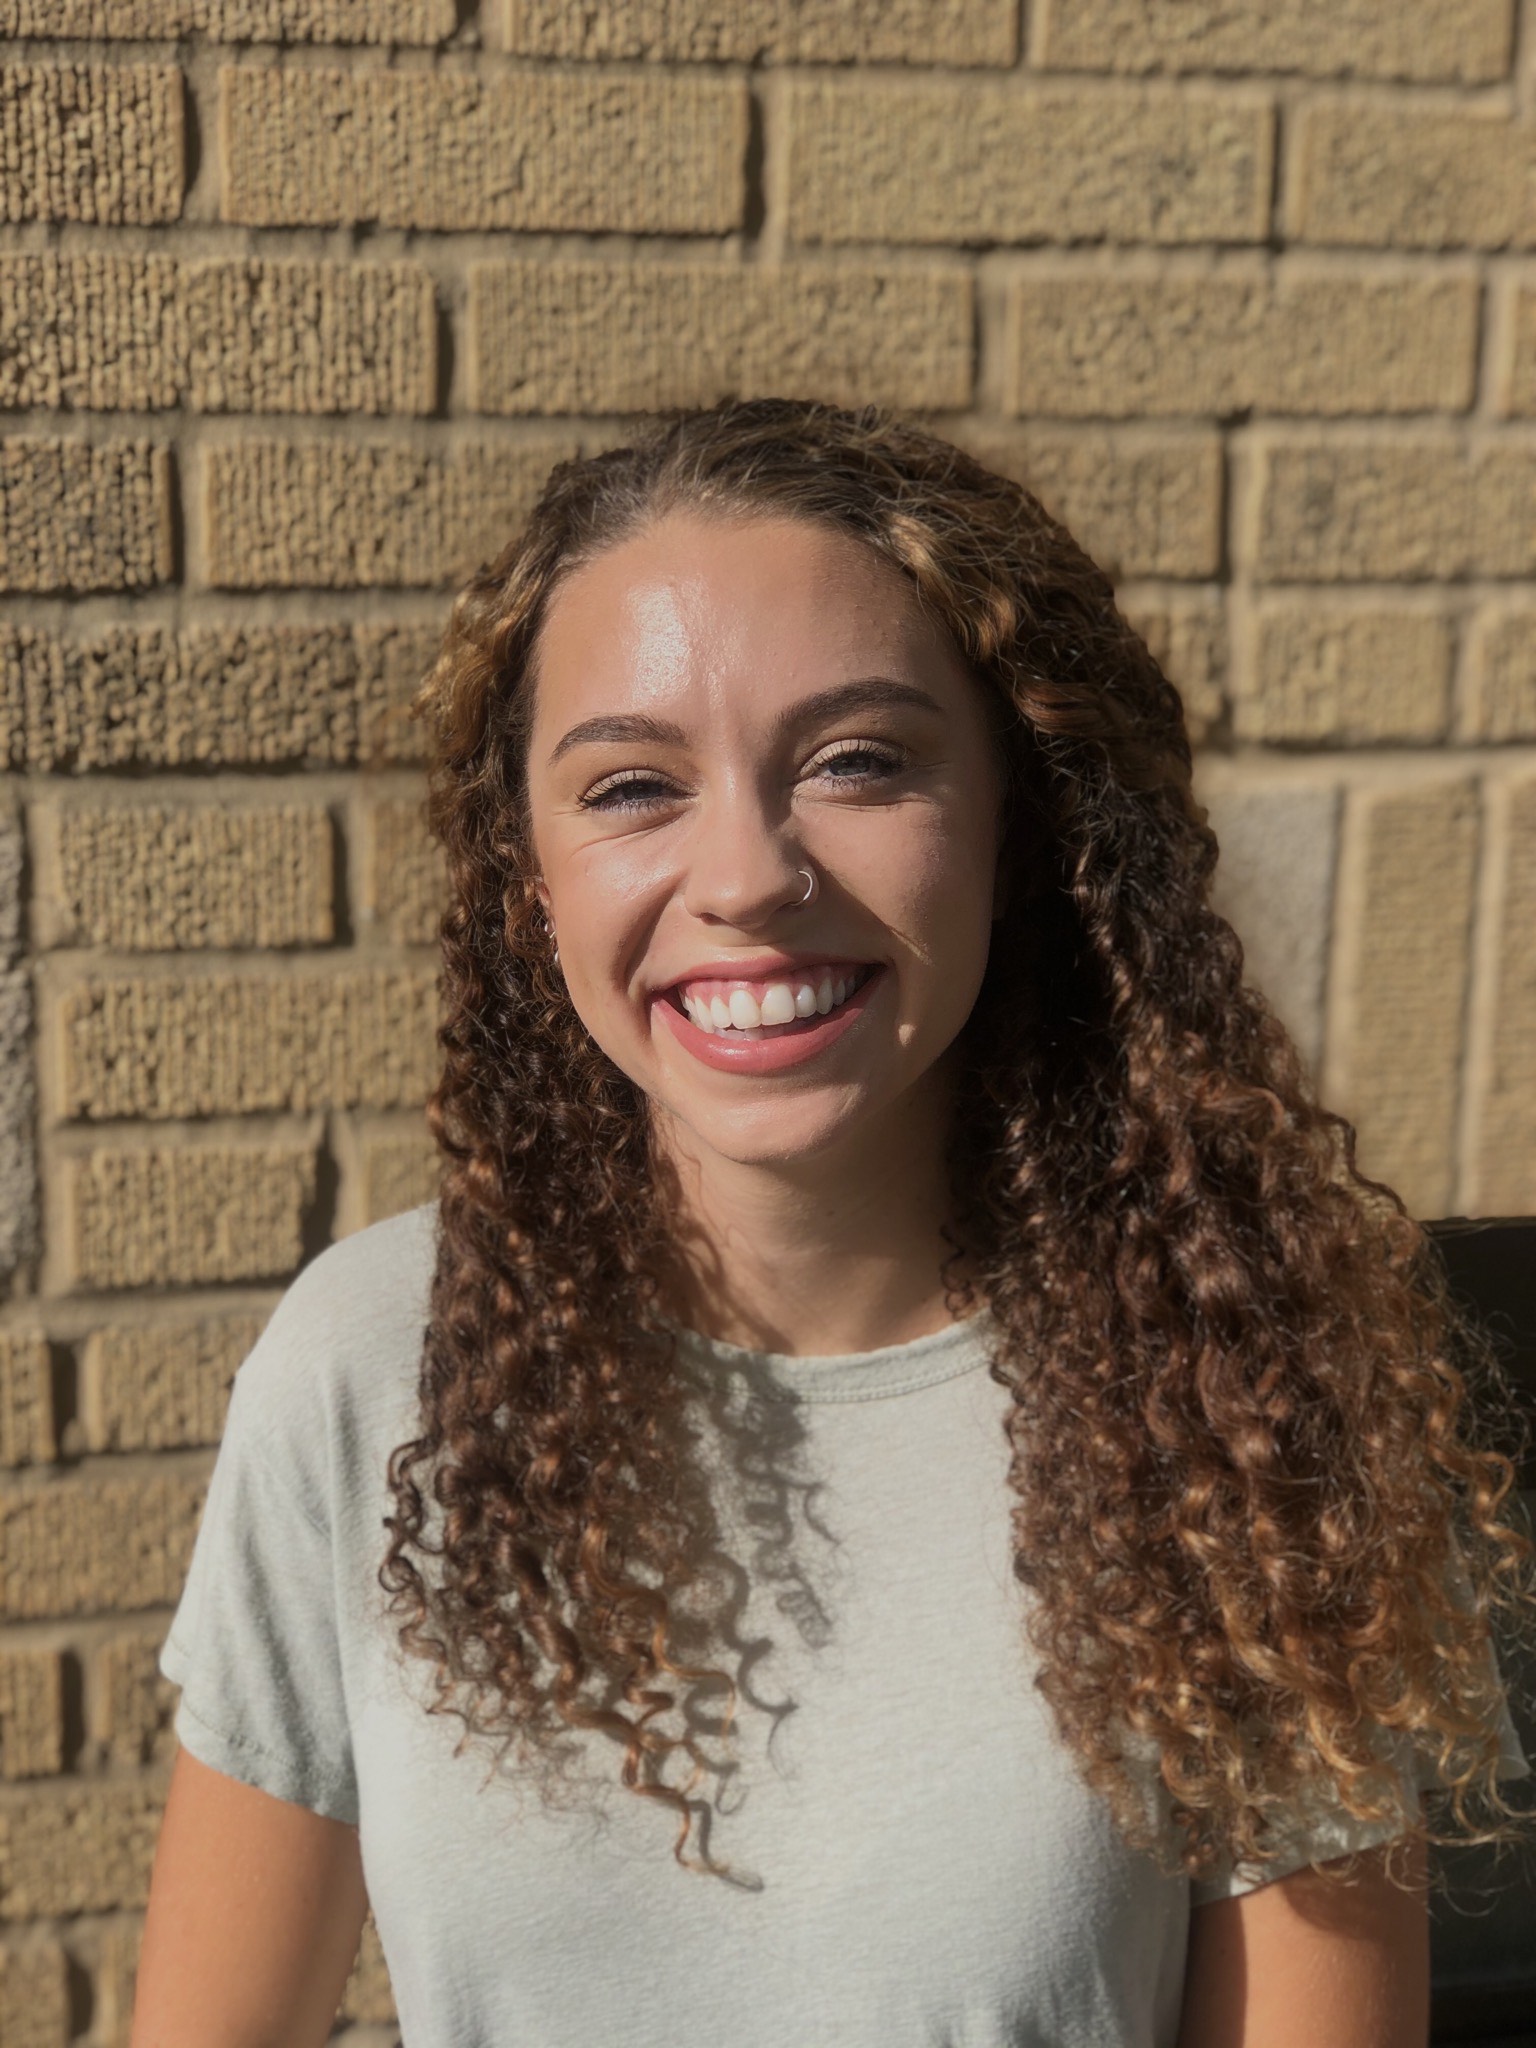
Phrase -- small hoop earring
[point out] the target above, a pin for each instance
(811, 884)
(549, 932)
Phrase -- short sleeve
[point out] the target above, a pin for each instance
(254, 1643)
(1321, 1828)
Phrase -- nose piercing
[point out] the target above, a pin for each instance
(810, 884)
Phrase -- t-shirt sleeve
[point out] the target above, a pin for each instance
(1320, 1828)
(254, 1643)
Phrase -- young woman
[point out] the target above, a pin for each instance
(908, 1491)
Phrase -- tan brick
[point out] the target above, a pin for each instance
(186, 1215)
(534, 149)
(1283, 339)
(91, 330)
(1143, 504)
(311, 337)
(1387, 174)
(26, 1400)
(1500, 700)
(118, 1942)
(1466, 41)
(368, 1998)
(782, 31)
(212, 696)
(31, 1713)
(1273, 883)
(1504, 1174)
(18, 1165)
(96, 142)
(1518, 395)
(398, 1173)
(83, 1848)
(99, 331)
(404, 878)
(163, 1387)
(1187, 635)
(152, 877)
(1361, 508)
(234, 21)
(135, 1704)
(1397, 1033)
(336, 515)
(1334, 676)
(236, 1044)
(952, 160)
(75, 516)
(34, 1994)
(631, 337)
(88, 1545)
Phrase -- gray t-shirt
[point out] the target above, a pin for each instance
(917, 1860)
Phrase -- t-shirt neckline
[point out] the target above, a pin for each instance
(853, 1375)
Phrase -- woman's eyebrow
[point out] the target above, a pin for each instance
(863, 693)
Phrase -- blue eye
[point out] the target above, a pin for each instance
(613, 796)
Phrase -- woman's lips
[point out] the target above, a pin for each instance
(786, 1045)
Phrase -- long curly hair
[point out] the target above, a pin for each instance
(1255, 1513)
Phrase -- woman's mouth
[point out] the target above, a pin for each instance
(780, 1023)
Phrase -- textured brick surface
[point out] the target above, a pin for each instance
(162, 1386)
(1333, 677)
(1465, 41)
(1518, 396)
(212, 696)
(150, 877)
(404, 879)
(135, 1704)
(26, 1400)
(1505, 1178)
(367, 1997)
(236, 21)
(1390, 176)
(1398, 1043)
(1500, 702)
(31, 1713)
(1187, 634)
(78, 1849)
(34, 1994)
(1280, 340)
(101, 331)
(231, 1044)
(1142, 504)
(96, 1546)
(93, 142)
(662, 153)
(398, 1173)
(790, 31)
(1348, 508)
(971, 161)
(1274, 884)
(612, 337)
(333, 514)
(74, 516)
(145, 1217)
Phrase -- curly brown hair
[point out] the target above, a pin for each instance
(1256, 1516)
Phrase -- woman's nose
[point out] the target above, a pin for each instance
(743, 867)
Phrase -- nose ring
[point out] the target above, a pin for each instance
(810, 884)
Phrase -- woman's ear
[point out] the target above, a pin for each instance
(541, 890)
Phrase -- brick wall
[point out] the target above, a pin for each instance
(299, 299)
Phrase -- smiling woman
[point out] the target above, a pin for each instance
(897, 1330)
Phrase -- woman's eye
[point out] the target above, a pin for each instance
(872, 763)
(620, 794)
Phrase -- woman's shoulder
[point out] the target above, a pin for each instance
(338, 1362)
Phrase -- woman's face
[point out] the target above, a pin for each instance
(721, 704)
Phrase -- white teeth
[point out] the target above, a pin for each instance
(745, 1014)
(782, 1003)
(778, 1004)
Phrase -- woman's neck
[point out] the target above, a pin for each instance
(836, 1254)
